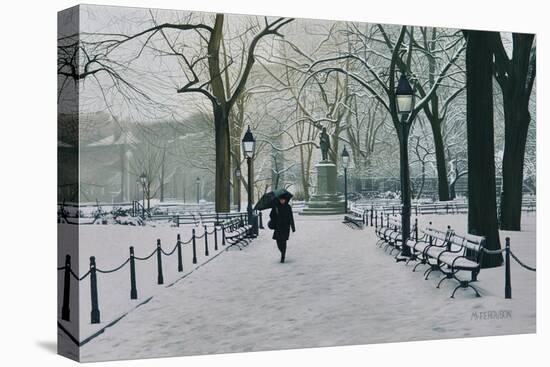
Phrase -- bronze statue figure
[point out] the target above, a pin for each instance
(324, 142)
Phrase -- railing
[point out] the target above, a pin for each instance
(507, 262)
(159, 251)
(136, 211)
(437, 208)
(198, 218)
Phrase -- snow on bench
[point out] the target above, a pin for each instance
(236, 233)
(442, 250)
(355, 218)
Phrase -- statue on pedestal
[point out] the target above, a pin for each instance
(326, 200)
(324, 143)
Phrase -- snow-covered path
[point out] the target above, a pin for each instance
(336, 288)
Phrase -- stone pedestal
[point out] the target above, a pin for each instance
(326, 201)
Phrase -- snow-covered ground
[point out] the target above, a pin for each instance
(336, 288)
(110, 246)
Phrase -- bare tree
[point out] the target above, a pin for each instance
(440, 49)
(204, 74)
(482, 207)
(423, 156)
(516, 77)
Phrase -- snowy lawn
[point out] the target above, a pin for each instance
(336, 288)
(110, 245)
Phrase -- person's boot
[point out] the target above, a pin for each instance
(282, 258)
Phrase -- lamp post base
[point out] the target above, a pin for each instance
(253, 221)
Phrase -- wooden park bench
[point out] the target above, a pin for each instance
(464, 253)
(430, 244)
(355, 218)
(381, 230)
(389, 233)
(449, 254)
(236, 233)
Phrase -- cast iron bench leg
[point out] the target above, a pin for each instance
(464, 284)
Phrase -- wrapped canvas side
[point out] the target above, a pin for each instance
(68, 316)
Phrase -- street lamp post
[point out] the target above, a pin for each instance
(143, 180)
(198, 182)
(345, 164)
(249, 146)
(238, 183)
(404, 103)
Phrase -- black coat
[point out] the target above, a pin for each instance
(281, 221)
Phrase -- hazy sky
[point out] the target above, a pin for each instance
(159, 76)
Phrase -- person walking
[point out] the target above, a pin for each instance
(281, 221)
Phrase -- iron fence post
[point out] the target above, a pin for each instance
(95, 314)
(180, 259)
(133, 289)
(160, 278)
(508, 280)
(194, 247)
(65, 310)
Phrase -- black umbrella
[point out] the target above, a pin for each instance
(267, 201)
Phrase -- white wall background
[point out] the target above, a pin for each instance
(28, 161)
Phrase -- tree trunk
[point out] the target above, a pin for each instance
(223, 162)
(452, 191)
(333, 153)
(482, 206)
(516, 127)
(221, 120)
(277, 162)
(422, 181)
(305, 172)
(516, 77)
(435, 122)
(441, 164)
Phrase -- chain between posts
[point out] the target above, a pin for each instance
(159, 251)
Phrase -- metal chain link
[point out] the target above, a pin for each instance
(186, 242)
(115, 269)
(494, 252)
(213, 231)
(77, 277)
(84, 276)
(521, 263)
(147, 257)
(60, 268)
(169, 253)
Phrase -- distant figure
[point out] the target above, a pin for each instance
(324, 143)
(281, 220)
